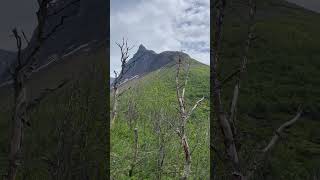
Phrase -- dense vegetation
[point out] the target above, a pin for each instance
(66, 138)
(150, 105)
(282, 73)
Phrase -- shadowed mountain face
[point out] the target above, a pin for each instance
(313, 5)
(5, 58)
(83, 27)
(145, 61)
(83, 31)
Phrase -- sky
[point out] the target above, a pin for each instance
(158, 24)
(161, 25)
(16, 13)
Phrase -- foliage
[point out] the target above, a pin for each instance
(67, 135)
(155, 98)
(281, 74)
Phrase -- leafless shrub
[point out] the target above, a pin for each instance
(227, 123)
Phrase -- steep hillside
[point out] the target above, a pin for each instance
(149, 104)
(66, 138)
(282, 73)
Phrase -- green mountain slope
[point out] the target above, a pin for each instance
(66, 138)
(282, 73)
(151, 100)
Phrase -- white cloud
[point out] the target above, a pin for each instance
(161, 25)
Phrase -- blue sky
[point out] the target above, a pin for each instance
(161, 25)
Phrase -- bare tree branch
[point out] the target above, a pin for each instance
(230, 147)
(44, 94)
(278, 132)
(19, 44)
(23, 70)
(262, 154)
(41, 37)
(194, 107)
(182, 108)
(124, 49)
(184, 115)
(186, 79)
(235, 98)
(25, 37)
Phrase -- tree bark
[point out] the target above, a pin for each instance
(187, 153)
(114, 106)
(19, 117)
(223, 122)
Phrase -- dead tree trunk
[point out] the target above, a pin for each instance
(187, 153)
(18, 118)
(243, 66)
(184, 115)
(227, 125)
(22, 71)
(124, 49)
(115, 104)
(227, 132)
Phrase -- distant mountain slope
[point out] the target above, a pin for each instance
(145, 61)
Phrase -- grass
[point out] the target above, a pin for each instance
(155, 101)
(281, 75)
(67, 136)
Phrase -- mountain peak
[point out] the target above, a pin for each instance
(142, 48)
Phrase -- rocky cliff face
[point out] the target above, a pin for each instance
(145, 61)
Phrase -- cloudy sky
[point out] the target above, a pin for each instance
(161, 25)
